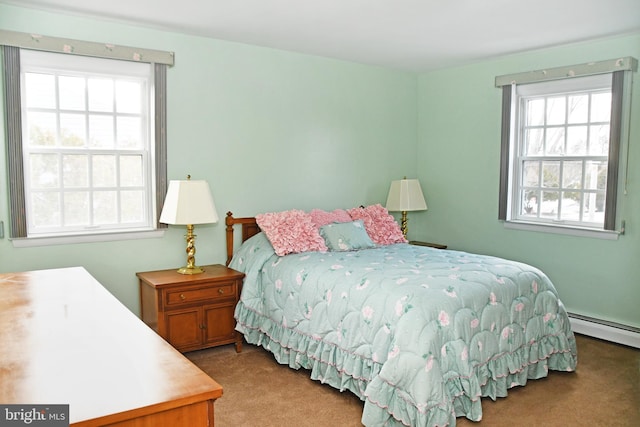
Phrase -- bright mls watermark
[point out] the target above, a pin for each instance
(34, 415)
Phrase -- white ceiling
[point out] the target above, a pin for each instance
(416, 35)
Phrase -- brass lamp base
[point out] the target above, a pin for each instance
(403, 224)
(191, 267)
(190, 270)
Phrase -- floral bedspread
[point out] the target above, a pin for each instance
(419, 334)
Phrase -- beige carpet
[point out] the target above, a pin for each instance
(605, 391)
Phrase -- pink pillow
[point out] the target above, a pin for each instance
(291, 232)
(381, 226)
(320, 217)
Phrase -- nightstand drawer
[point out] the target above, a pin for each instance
(185, 296)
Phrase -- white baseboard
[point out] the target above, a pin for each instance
(605, 330)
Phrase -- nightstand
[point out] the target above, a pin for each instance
(192, 311)
(431, 245)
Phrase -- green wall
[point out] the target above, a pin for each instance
(458, 165)
(272, 130)
(269, 130)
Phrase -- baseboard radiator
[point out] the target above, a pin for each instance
(610, 331)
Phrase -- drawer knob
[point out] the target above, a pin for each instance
(221, 291)
(182, 297)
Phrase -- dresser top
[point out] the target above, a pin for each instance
(67, 340)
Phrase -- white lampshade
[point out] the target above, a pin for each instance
(406, 195)
(188, 202)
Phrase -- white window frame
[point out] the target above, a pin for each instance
(57, 64)
(563, 80)
(10, 45)
(588, 85)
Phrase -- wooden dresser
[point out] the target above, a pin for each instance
(64, 339)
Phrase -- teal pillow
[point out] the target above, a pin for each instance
(346, 236)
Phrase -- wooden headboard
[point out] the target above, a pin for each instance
(249, 228)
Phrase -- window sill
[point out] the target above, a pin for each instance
(28, 242)
(555, 229)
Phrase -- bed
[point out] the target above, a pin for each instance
(419, 334)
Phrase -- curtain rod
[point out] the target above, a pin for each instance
(85, 48)
(608, 66)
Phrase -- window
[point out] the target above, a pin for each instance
(86, 137)
(86, 143)
(561, 149)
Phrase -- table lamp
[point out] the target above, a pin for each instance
(405, 195)
(188, 203)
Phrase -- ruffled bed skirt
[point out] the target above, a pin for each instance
(345, 370)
